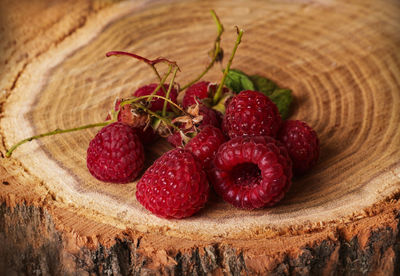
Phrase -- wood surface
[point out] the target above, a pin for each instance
(340, 58)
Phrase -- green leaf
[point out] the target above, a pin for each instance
(238, 81)
(263, 85)
(282, 98)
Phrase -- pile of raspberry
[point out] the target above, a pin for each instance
(228, 138)
(244, 152)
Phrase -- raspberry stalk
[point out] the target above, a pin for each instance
(54, 132)
(101, 124)
(146, 60)
(217, 51)
(228, 66)
(161, 84)
(150, 62)
(152, 113)
(164, 111)
(133, 100)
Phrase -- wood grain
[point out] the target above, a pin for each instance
(342, 61)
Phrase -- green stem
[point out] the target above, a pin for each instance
(155, 71)
(165, 120)
(216, 49)
(123, 103)
(228, 66)
(161, 84)
(158, 76)
(54, 132)
(171, 83)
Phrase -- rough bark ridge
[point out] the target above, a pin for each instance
(31, 244)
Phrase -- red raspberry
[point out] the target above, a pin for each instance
(175, 139)
(175, 186)
(252, 172)
(115, 154)
(205, 144)
(251, 113)
(210, 117)
(302, 144)
(156, 104)
(200, 91)
(197, 91)
(147, 136)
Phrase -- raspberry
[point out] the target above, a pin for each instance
(197, 91)
(156, 104)
(302, 144)
(175, 186)
(251, 113)
(175, 139)
(148, 136)
(210, 117)
(252, 172)
(115, 154)
(205, 144)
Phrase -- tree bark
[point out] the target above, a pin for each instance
(32, 244)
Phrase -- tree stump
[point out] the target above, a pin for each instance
(342, 61)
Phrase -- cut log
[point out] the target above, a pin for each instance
(342, 61)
